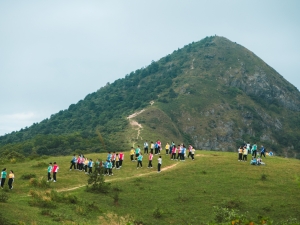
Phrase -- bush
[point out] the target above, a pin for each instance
(28, 176)
(41, 164)
(3, 197)
(263, 177)
(97, 183)
(41, 183)
(157, 213)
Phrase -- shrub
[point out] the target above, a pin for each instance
(4, 197)
(41, 183)
(157, 213)
(97, 183)
(263, 177)
(28, 176)
(41, 164)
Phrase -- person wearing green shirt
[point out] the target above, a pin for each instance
(254, 150)
(49, 172)
(3, 177)
(140, 159)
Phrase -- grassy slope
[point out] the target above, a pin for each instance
(183, 188)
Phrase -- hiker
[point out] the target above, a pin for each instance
(178, 152)
(131, 154)
(248, 147)
(173, 152)
(11, 177)
(152, 147)
(167, 148)
(245, 153)
(109, 156)
(137, 152)
(121, 158)
(183, 152)
(254, 150)
(109, 167)
(159, 146)
(156, 148)
(140, 159)
(73, 163)
(117, 162)
(262, 151)
(86, 162)
(159, 164)
(77, 162)
(150, 160)
(54, 171)
(49, 172)
(190, 150)
(145, 147)
(3, 177)
(271, 153)
(193, 153)
(97, 166)
(240, 150)
(90, 165)
(113, 159)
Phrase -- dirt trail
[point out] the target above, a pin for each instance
(136, 126)
(126, 178)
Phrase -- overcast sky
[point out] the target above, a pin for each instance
(54, 53)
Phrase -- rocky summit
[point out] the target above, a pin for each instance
(214, 94)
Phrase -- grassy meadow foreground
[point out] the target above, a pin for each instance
(187, 192)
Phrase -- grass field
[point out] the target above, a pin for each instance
(183, 193)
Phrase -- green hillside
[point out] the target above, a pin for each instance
(183, 193)
(214, 93)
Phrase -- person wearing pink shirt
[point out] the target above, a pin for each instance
(54, 171)
(150, 160)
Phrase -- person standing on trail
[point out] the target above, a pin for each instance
(54, 171)
(3, 177)
(131, 154)
(150, 160)
(137, 152)
(183, 152)
(121, 158)
(159, 164)
(190, 150)
(49, 172)
(146, 147)
(140, 159)
(73, 163)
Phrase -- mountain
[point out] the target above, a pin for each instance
(214, 94)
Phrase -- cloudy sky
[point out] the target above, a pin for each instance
(54, 53)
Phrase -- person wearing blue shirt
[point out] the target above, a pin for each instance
(73, 162)
(262, 152)
(90, 166)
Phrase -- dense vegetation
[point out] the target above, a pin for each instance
(201, 88)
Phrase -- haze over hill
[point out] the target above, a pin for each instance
(213, 93)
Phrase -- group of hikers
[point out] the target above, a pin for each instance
(11, 177)
(115, 160)
(246, 149)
